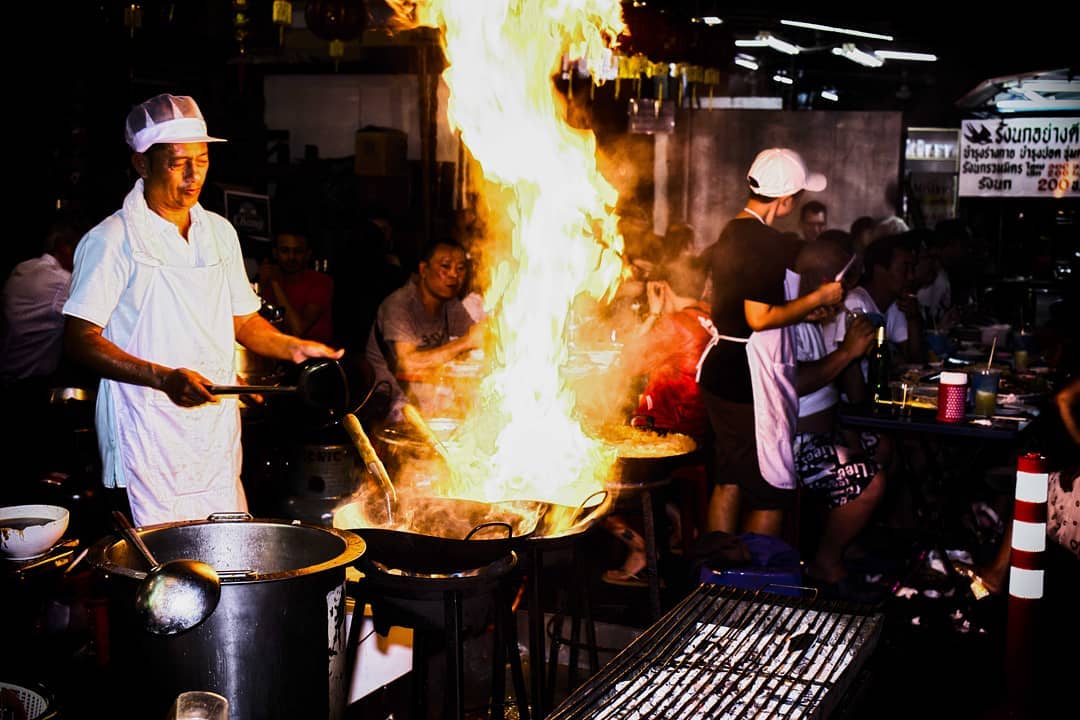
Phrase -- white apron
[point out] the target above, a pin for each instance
(771, 357)
(179, 463)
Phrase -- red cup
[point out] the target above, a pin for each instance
(952, 396)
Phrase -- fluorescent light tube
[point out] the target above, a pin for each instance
(783, 79)
(1043, 105)
(767, 39)
(711, 20)
(854, 54)
(746, 61)
(903, 55)
(830, 95)
(830, 28)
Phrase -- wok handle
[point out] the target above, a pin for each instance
(495, 523)
(247, 389)
(581, 507)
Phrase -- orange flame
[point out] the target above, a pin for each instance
(521, 439)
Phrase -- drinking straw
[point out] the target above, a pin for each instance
(991, 360)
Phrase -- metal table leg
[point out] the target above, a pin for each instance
(536, 636)
(652, 571)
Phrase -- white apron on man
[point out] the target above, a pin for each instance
(179, 463)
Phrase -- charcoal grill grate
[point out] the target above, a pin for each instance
(726, 652)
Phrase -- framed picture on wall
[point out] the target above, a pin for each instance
(249, 214)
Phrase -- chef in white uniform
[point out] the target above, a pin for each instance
(158, 299)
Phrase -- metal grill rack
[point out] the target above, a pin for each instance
(725, 652)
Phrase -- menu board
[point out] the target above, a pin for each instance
(1020, 157)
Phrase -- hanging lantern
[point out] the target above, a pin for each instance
(282, 16)
(336, 21)
(240, 24)
(133, 17)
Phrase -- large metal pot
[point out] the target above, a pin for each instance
(275, 644)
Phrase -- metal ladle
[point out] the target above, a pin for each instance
(175, 596)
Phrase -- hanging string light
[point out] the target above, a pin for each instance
(133, 17)
(240, 24)
(282, 16)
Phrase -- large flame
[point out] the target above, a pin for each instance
(521, 439)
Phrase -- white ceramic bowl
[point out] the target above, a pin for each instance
(29, 531)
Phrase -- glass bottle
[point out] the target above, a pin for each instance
(878, 374)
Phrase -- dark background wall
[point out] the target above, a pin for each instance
(859, 153)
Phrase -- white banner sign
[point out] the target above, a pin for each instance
(1020, 157)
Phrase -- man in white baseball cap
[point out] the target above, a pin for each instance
(747, 375)
(778, 172)
(159, 298)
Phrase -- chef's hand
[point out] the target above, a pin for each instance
(656, 291)
(474, 336)
(830, 293)
(302, 350)
(187, 388)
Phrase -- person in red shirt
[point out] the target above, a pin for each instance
(667, 350)
(305, 294)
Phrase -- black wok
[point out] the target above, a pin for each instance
(445, 535)
(649, 457)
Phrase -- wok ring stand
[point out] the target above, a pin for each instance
(378, 585)
(644, 491)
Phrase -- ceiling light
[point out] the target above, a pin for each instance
(747, 61)
(854, 54)
(830, 28)
(781, 78)
(767, 39)
(903, 55)
(711, 20)
(830, 95)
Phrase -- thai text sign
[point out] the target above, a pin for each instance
(1021, 157)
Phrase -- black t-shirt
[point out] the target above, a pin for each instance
(747, 263)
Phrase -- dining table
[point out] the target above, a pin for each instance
(948, 468)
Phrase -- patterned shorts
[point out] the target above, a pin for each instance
(826, 467)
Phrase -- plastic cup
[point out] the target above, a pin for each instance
(199, 705)
(984, 384)
(1023, 344)
(952, 396)
(902, 395)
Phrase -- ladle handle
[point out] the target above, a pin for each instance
(368, 455)
(132, 536)
(246, 389)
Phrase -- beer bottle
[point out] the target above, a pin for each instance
(878, 372)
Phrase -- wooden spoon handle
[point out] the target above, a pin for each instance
(368, 454)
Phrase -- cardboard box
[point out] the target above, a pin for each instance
(381, 152)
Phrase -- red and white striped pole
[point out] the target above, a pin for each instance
(1026, 576)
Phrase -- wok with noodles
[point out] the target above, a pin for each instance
(644, 456)
(437, 534)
